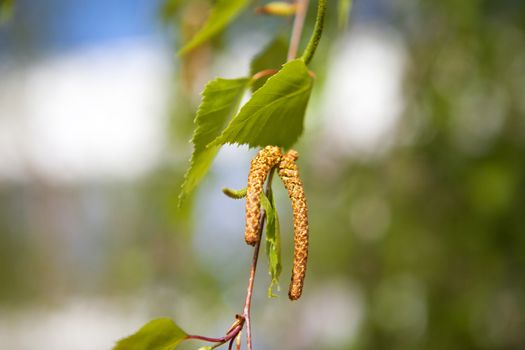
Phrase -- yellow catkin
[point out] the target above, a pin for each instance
(289, 173)
(261, 165)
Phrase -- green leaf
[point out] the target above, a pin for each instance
(275, 113)
(271, 57)
(220, 101)
(345, 6)
(159, 334)
(223, 12)
(205, 348)
(273, 241)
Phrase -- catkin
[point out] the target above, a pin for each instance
(261, 165)
(289, 173)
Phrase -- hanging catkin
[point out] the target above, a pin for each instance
(289, 173)
(261, 164)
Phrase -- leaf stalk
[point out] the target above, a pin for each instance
(318, 31)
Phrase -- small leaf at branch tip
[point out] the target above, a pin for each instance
(235, 194)
(161, 333)
(278, 8)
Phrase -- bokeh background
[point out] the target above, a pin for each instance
(413, 160)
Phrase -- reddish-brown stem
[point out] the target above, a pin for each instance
(295, 40)
(245, 318)
(253, 268)
(232, 334)
(230, 345)
(249, 291)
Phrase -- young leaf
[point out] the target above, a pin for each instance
(159, 334)
(271, 57)
(220, 100)
(223, 12)
(274, 115)
(273, 242)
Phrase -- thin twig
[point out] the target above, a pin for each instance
(235, 331)
(232, 334)
(248, 302)
(253, 268)
(298, 24)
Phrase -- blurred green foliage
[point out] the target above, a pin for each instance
(453, 196)
(6, 10)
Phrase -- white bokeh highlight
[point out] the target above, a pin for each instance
(94, 113)
(363, 95)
